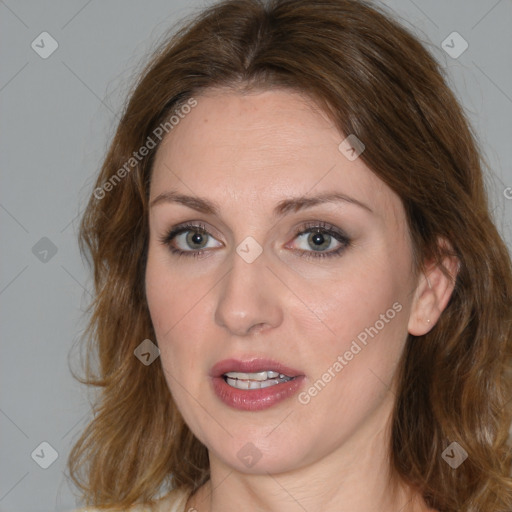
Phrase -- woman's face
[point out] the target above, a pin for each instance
(296, 263)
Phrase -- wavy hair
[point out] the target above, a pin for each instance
(377, 81)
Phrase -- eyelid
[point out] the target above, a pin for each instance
(303, 226)
(169, 236)
(324, 228)
(188, 226)
(320, 225)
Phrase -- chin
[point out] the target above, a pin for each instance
(259, 454)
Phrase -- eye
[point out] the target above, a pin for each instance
(316, 240)
(189, 240)
(320, 240)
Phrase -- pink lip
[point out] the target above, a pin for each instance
(254, 399)
(252, 366)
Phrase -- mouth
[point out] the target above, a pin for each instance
(255, 384)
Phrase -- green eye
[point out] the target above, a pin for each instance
(316, 240)
(319, 240)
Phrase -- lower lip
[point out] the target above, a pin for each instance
(255, 399)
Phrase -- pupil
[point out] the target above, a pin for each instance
(195, 238)
(319, 240)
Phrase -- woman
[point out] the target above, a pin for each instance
(302, 301)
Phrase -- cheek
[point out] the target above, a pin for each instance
(353, 300)
(354, 351)
(172, 296)
(360, 316)
(175, 303)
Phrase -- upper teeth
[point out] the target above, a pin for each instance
(258, 380)
(255, 376)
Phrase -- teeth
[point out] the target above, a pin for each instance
(252, 384)
(257, 380)
(260, 376)
(247, 376)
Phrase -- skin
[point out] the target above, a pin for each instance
(246, 152)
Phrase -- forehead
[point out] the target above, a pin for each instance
(256, 148)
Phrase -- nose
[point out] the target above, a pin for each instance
(249, 298)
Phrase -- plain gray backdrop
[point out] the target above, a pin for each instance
(58, 114)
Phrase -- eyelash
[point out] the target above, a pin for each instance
(311, 227)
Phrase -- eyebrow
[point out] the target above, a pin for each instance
(283, 207)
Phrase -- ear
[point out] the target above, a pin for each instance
(433, 291)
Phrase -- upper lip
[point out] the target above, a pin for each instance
(252, 366)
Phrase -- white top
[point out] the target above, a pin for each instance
(175, 501)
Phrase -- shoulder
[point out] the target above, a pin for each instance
(175, 501)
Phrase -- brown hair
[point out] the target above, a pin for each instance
(376, 81)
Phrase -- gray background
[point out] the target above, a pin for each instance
(58, 115)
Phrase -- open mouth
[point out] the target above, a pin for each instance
(254, 384)
(259, 380)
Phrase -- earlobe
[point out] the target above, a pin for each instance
(432, 294)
